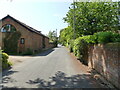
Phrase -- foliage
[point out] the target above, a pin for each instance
(11, 42)
(81, 44)
(95, 22)
(79, 47)
(92, 17)
(5, 56)
(4, 60)
(53, 37)
(66, 35)
(106, 37)
(28, 52)
(71, 45)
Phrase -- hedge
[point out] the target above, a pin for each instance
(4, 60)
(80, 45)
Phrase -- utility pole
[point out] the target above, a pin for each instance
(56, 32)
(74, 19)
(56, 38)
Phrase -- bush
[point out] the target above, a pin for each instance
(4, 60)
(5, 56)
(103, 37)
(80, 45)
(28, 52)
(106, 37)
(71, 45)
(116, 37)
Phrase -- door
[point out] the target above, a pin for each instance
(22, 45)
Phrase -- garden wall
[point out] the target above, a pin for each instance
(0, 35)
(106, 60)
(51, 45)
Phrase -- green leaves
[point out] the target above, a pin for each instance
(80, 45)
(52, 36)
(11, 42)
(4, 61)
(106, 37)
(92, 17)
(66, 35)
(95, 21)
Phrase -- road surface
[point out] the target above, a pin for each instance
(54, 68)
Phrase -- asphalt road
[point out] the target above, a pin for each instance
(52, 68)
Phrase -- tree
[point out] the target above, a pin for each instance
(53, 37)
(92, 17)
(66, 35)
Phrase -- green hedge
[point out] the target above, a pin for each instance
(80, 45)
(71, 44)
(80, 48)
(4, 60)
(106, 37)
(27, 52)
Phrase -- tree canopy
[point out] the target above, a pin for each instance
(90, 17)
(53, 37)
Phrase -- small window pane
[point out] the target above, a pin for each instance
(22, 41)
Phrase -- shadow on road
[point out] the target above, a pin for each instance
(6, 76)
(45, 53)
(60, 80)
(42, 53)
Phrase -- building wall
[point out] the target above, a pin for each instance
(32, 40)
(0, 40)
(106, 60)
(47, 42)
(51, 45)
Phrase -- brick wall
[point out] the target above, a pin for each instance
(51, 45)
(0, 39)
(47, 42)
(106, 60)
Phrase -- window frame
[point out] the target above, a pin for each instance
(22, 40)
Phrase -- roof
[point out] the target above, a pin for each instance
(25, 26)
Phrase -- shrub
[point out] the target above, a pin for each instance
(4, 60)
(28, 52)
(103, 37)
(71, 45)
(106, 37)
(5, 56)
(116, 37)
(90, 39)
(80, 47)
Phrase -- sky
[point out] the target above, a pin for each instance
(42, 15)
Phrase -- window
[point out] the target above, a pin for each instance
(22, 41)
(8, 28)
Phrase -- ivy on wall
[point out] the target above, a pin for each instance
(11, 42)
